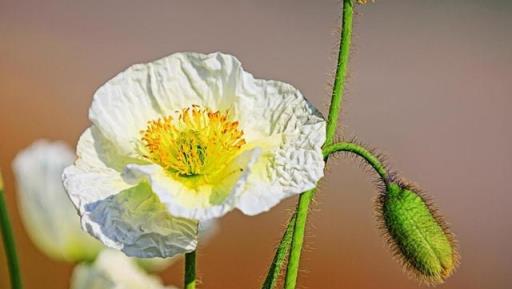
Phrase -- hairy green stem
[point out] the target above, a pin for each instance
(280, 257)
(8, 240)
(370, 158)
(341, 71)
(190, 270)
(298, 239)
(332, 121)
(305, 200)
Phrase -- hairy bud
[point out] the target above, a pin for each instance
(416, 233)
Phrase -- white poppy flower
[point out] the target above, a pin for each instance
(113, 270)
(49, 217)
(200, 135)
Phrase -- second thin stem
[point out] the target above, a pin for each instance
(8, 240)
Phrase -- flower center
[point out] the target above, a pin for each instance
(198, 142)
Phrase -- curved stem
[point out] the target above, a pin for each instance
(190, 270)
(280, 257)
(9, 244)
(370, 158)
(341, 71)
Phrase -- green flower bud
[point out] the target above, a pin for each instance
(416, 233)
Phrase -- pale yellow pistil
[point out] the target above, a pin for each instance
(198, 142)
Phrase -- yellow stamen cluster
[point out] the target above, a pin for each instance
(198, 142)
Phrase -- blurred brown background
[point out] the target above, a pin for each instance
(430, 85)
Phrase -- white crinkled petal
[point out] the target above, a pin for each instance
(48, 215)
(206, 230)
(122, 107)
(201, 203)
(290, 132)
(274, 117)
(123, 216)
(113, 270)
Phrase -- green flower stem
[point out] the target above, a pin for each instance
(370, 158)
(298, 222)
(305, 199)
(341, 71)
(332, 121)
(9, 244)
(298, 239)
(190, 270)
(280, 257)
